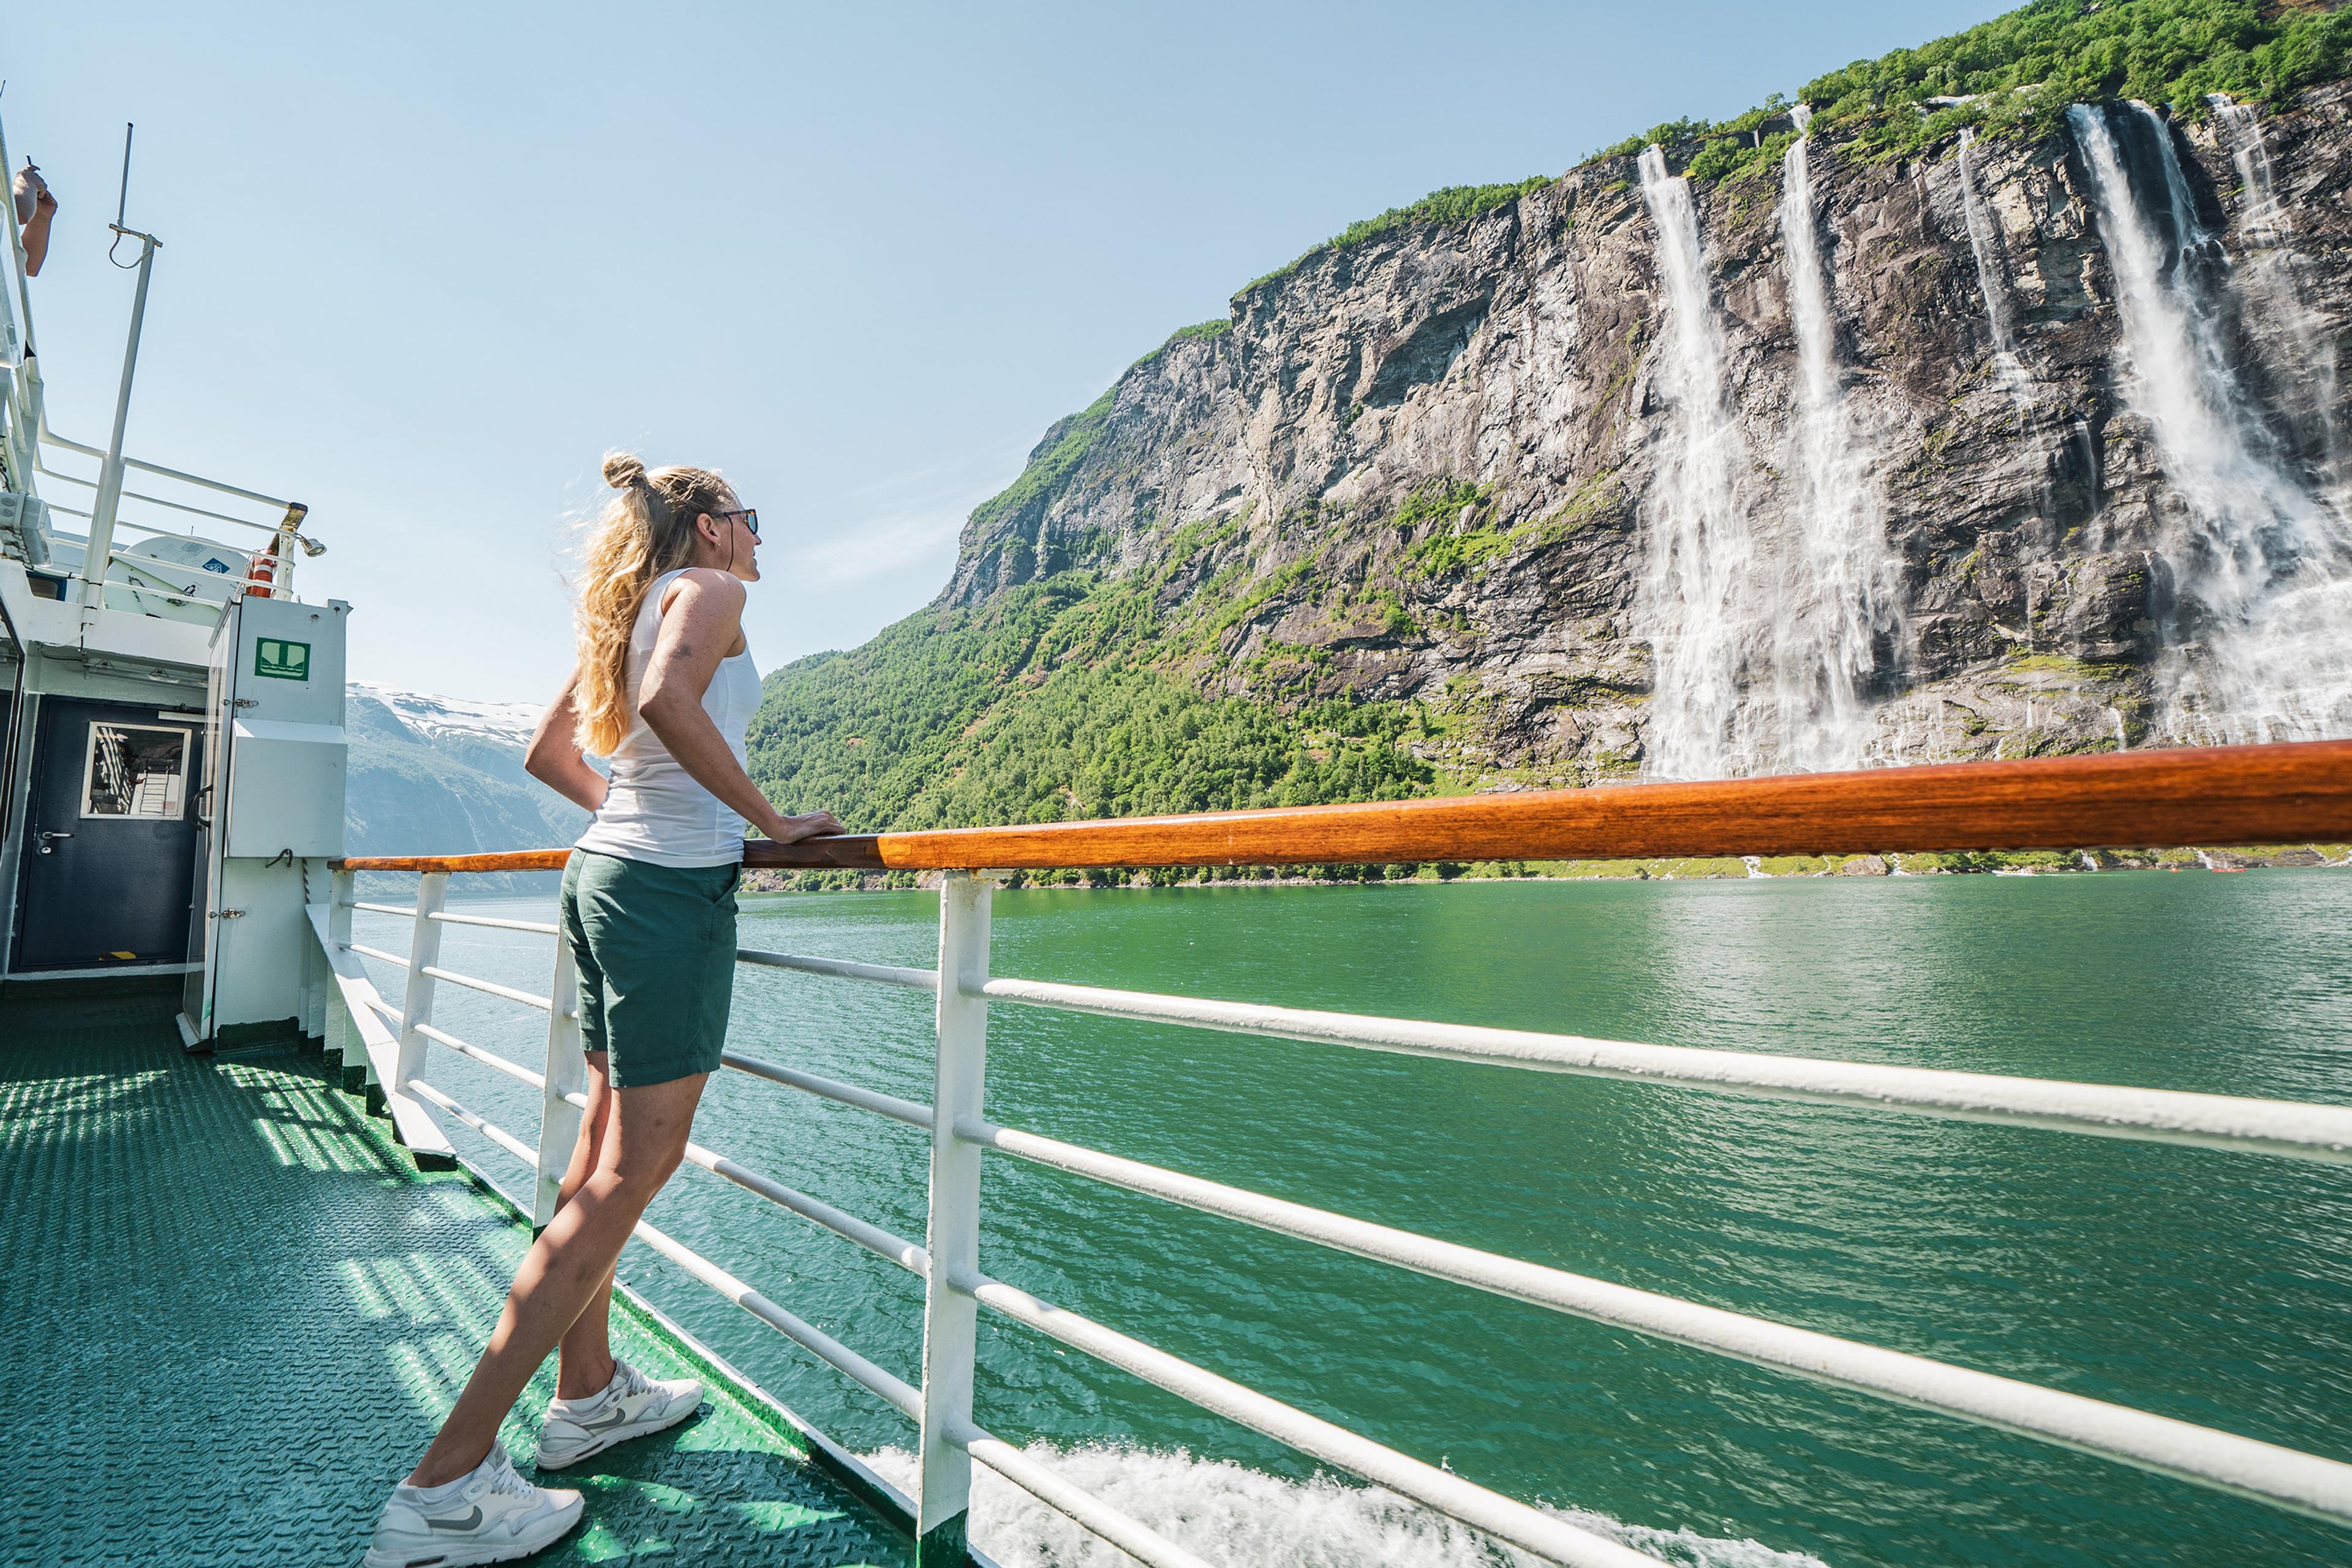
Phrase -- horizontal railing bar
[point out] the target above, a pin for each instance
(538, 928)
(872, 1238)
(1449, 1494)
(2292, 793)
(1090, 1512)
(497, 1063)
(997, 1455)
(402, 911)
(157, 501)
(892, 1390)
(505, 860)
(2295, 793)
(490, 987)
(841, 968)
(376, 953)
(51, 438)
(201, 511)
(2294, 1129)
(2305, 1483)
(495, 1133)
(890, 1105)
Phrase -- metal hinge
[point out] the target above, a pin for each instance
(228, 914)
(245, 702)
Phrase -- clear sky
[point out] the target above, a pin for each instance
(423, 265)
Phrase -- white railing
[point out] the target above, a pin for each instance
(955, 1288)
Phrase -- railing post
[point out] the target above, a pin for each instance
(567, 1073)
(417, 996)
(951, 1318)
(344, 1041)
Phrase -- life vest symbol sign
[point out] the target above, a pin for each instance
(280, 660)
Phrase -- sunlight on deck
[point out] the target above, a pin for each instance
(188, 1237)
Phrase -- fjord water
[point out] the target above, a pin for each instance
(2216, 1288)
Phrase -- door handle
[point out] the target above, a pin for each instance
(45, 845)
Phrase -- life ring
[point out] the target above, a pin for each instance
(261, 572)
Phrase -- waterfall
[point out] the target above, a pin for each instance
(1700, 541)
(1830, 614)
(2260, 221)
(2008, 369)
(1982, 242)
(2087, 446)
(2268, 279)
(2259, 628)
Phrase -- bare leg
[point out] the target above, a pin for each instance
(585, 1355)
(568, 1265)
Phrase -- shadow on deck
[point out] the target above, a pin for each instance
(231, 1314)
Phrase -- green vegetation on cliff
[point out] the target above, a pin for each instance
(1455, 204)
(1055, 700)
(2018, 73)
(1055, 458)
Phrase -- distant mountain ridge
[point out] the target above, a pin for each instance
(444, 775)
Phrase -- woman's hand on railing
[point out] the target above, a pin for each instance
(793, 829)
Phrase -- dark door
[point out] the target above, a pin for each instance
(109, 841)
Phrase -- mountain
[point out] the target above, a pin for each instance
(1964, 408)
(440, 775)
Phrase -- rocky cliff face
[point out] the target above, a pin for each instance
(1445, 463)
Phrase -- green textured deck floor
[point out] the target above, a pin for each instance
(231, 1315)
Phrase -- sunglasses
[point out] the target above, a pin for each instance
(751, 516)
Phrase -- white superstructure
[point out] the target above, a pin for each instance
(172, 749)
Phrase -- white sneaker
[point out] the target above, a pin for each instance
(491, 1514)
(631, 1406)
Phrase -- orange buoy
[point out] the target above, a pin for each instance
(261, 572)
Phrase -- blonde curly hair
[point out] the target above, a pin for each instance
(647, 530)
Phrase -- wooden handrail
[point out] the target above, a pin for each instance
(2290, 794)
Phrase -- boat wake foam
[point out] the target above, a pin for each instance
(1246, 1518)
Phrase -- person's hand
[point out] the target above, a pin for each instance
(31, 192)
(793, 829)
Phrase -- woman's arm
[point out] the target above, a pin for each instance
(36, 228)
(703, 619)
(554, 758)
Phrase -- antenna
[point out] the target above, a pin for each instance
(123, 203)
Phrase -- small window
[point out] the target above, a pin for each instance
(136, 771)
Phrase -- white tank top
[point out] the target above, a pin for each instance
(654, 812)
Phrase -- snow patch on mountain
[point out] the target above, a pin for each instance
(442, 775)
(432, 717)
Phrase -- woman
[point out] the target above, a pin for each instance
(665, 686)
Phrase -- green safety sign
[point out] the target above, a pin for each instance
(280, 660)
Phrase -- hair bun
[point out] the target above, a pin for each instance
(622, 469)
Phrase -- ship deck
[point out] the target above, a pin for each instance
(232, 1313)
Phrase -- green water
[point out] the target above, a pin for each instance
(2212, 1286)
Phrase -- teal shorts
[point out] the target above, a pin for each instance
(656, 950)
